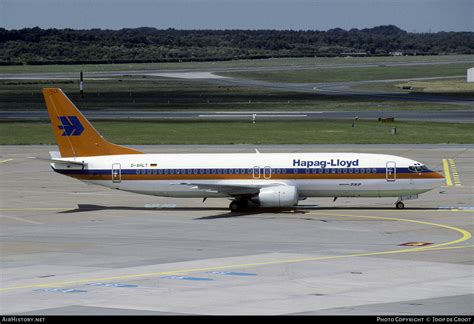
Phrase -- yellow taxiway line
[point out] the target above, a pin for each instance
(4, 161)
(465, 235)
(447, 174)
(454, 172)
(451, 173)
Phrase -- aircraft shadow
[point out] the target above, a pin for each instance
(250, 212)
(303, 209)
(86, 208)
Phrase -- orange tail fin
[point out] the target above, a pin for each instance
(75, 136)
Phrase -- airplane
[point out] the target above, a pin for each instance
(275, 180)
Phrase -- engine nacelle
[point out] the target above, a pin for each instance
(278, 196)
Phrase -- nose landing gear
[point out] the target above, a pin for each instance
(399, 205)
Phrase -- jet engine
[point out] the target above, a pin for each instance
(278, 196)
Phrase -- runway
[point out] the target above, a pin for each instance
(454, 116)
(71, 248)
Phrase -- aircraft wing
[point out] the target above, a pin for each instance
(231, 189)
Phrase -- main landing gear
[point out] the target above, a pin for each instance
(238, 205)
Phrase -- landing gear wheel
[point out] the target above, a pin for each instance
(399, 205)
(238, 205)
(235, 206)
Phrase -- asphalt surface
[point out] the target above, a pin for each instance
(74, 249)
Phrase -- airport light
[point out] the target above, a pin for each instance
(81, 85)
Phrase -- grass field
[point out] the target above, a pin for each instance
(271, 132)
(355, 74)
(446, 87)
(440, 86)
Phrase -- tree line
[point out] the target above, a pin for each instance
(69, 46)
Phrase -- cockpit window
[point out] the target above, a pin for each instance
(417, 168)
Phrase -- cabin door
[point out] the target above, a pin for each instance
(391, 171)
(256, 172)
(267, 172)
(116, 173)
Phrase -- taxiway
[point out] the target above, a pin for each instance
(71, 248)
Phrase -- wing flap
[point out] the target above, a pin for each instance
(230, 189)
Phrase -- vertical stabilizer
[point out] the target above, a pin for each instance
(74, 134)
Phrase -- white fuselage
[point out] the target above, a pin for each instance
(313, 174)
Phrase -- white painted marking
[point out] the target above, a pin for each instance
(21, 219)
(189, 75)
(251, 115)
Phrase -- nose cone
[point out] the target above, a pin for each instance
(439, 177)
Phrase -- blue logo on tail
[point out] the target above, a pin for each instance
(71, 126)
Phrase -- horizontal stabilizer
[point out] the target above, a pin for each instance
(58, 161)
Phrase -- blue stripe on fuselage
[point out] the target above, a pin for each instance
(234, 171)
